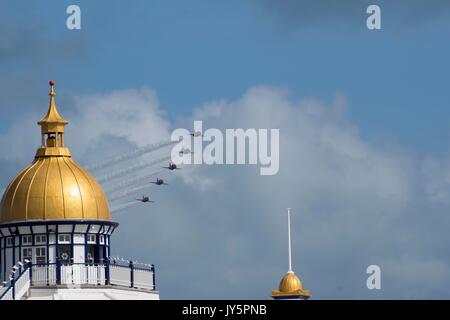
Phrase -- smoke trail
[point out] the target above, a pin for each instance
(128, 170)
(124, 206)
(126, 183)
(124, 194)
(135, 153)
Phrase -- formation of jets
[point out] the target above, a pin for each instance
(160, 182)
(171, 167)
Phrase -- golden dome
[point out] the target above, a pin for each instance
(290, 282)
(291, 285)
(54, 186)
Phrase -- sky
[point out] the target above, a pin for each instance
(363, 118)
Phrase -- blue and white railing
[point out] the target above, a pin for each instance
(131, 274)
(114, 273)
(18, 284)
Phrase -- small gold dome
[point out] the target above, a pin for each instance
(291, 287)
(289, 283)
(54, 186)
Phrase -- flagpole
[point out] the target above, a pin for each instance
(289, 241)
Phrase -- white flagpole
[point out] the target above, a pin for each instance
(289, 240)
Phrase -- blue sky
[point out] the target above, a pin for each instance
(369, 184)
(194, 51)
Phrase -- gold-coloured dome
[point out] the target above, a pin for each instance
(290, 282)
(291, 285)
(54, 186)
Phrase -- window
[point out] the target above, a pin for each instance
(9, 241)
(27, 253)
(65, 253)
(27, 240)
(91, 238)
(40, 238)
(41, 256)
(64, 238)
(102, 239)
(90, 255)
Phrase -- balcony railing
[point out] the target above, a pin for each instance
(18, 286)
(77, 274)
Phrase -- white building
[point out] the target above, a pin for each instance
(56, 229)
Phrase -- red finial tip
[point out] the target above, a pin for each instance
(51, 83)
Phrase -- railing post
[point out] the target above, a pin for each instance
(30, 266)
(154, 277)
(131, 274)
(58, 271)
(107, 270)
(13, 286)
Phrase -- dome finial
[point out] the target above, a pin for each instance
(52, 116)
(52, 127)
(52, 87)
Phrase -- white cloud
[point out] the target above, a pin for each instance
(436, 176)
(219, 231)
(131, 114)
(134, 115)
(355, 203)
(22, 139)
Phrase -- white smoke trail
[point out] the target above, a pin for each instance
(128, 170)
(133, 154)
(124, 194)
(126, 183)
(124, 206)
